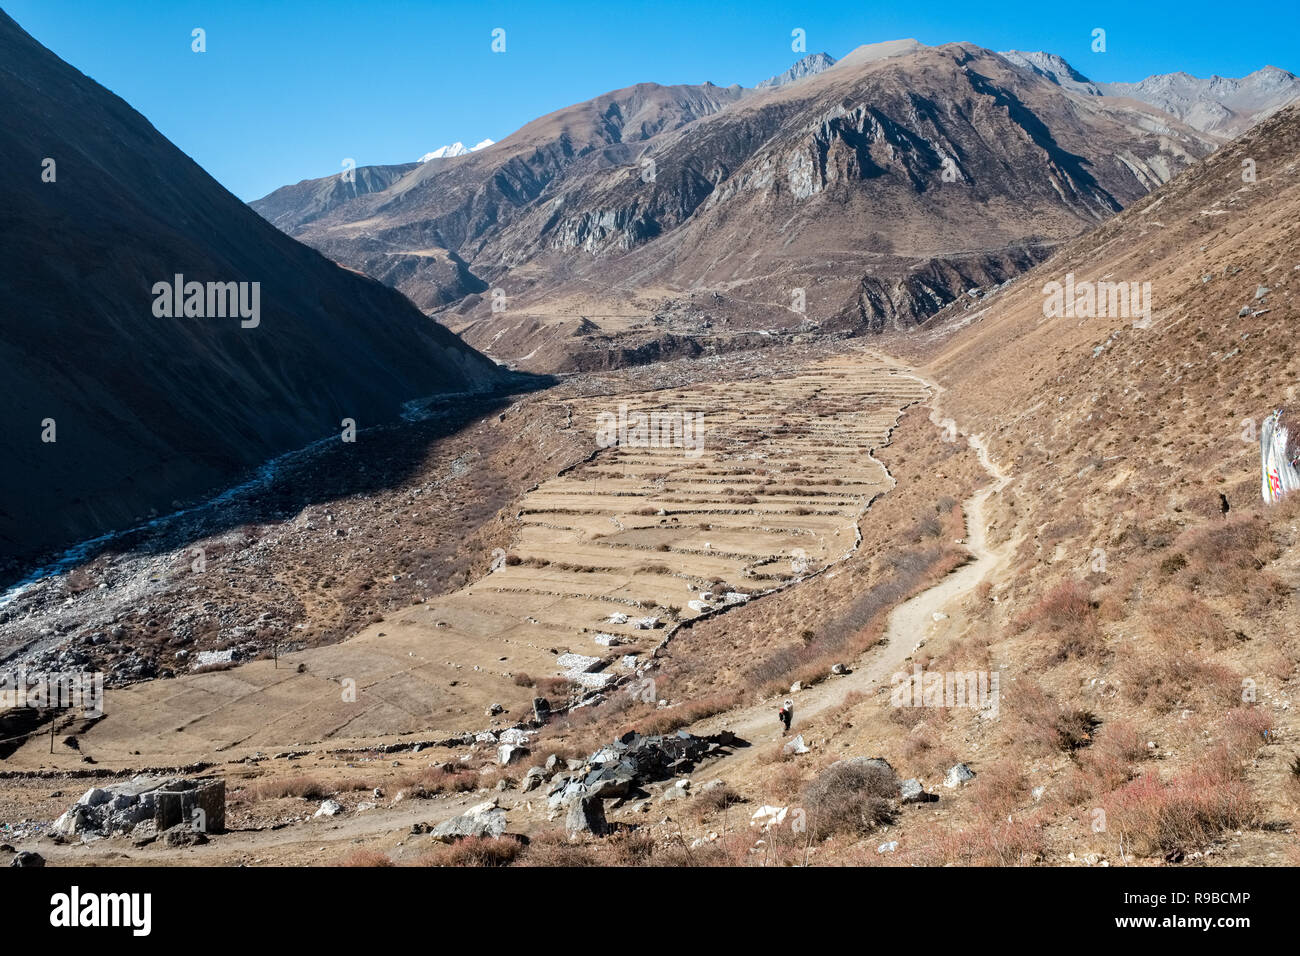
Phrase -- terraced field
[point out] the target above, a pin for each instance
(658, 534)
(607, 558)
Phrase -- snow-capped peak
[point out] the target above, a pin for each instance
(455, 149)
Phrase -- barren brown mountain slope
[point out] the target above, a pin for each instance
(1133, 605)
(863, 197)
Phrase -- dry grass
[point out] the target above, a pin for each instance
(306, 788)
(367, 858)
(475, 851)
(992, 842)
(1157, 817)
(849, 798)
(434, 780)
(666, 720)
(714, 801)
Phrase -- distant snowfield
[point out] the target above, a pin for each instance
(455, 149)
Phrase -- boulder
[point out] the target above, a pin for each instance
(569, 791)
(610, 781)
(586, 815)
(182, 835)
(482, 820)
(329, 808)
(911, 791)
(95, 797)
(680, 790)
(958, 775)
(541, 709)
(879, 762)
(27, 858)
(590, 681)
(509, 753)
(796, 746)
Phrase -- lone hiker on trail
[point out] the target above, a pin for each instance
(786, 713)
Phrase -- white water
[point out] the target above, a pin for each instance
(260, 480)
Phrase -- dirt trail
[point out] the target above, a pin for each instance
(910, 625)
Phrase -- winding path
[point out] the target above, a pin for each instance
(910, 625)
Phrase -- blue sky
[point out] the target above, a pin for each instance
(287, 89)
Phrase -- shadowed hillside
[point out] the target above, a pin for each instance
(143, 409)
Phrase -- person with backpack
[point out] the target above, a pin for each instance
(786, 713)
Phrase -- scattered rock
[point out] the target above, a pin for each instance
(27, 858)
(329, 808)
(481, 820)
(678, 791)
(958, 775)
(513, 735)
(585, 815)
(509, 753)
(182, 835)
(911, 791)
